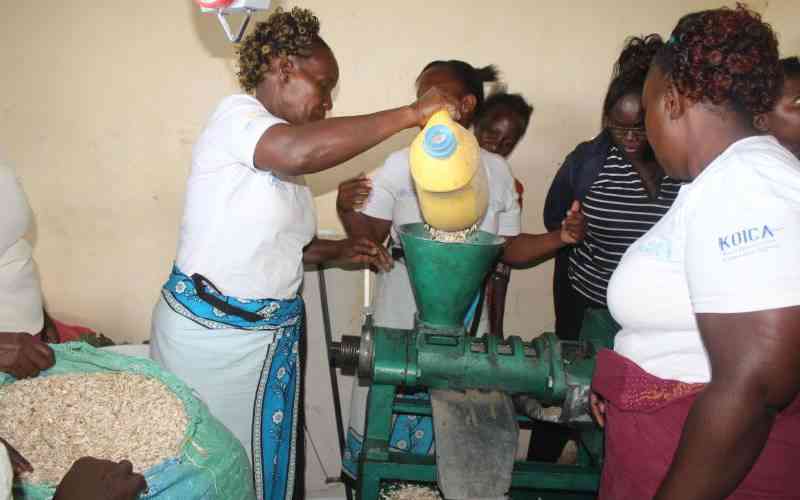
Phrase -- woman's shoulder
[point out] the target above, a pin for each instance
(395, 168)
(756, 174)
(237, 100)
(755, 162)
(398, 159)
(243, 105)
(594, 150)
(497, 166)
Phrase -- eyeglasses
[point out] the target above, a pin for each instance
(623, 131)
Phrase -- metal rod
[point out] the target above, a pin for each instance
(237, 37)
(337, 403)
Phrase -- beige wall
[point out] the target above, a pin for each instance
(100, 102)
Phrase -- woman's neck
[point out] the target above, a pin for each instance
(651, 174)
(269, 99)
(714, 132)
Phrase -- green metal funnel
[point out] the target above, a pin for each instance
(446, 276)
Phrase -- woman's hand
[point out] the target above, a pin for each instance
(24, 355)
(94, 479)
(18, 462)
(598, 406)
(573, 228)
(432, 101)
(353, 193)
(366, 251)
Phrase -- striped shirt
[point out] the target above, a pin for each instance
(618, 210)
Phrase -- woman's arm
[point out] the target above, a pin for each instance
(349, 251)
(755, 365)
(359, 225)
(354, 194)
(526, 250)
(316, 146)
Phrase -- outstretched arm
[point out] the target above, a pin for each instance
(526, 250)
(316, 146)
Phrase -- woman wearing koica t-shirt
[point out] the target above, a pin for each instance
(229, 317)
(700, 395)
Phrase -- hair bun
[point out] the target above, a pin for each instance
(634, 61)
(488, 73)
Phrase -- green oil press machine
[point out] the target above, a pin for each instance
(481, 389)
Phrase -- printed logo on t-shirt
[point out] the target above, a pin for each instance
(657, 247)
(747, 241)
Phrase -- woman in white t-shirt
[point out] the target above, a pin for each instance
(388, 200)
(700, 396)
(229, 318)
(22, 318)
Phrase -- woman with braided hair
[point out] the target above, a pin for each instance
(700, 395)
(229, 318)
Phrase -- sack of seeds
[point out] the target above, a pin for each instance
(115, 407)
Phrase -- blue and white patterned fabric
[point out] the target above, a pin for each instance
(411, 433)
(275, 412)
(275, 425)
(181, 295)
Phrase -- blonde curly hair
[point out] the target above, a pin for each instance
(282, 34)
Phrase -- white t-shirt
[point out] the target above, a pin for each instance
(393, 198)
(20, 290)
(243, 228)
(6, 474)
(729, 244)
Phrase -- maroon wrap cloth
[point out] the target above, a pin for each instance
(644, 420)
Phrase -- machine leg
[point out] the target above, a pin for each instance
(590, 448)
(376, 438)
(370, 485)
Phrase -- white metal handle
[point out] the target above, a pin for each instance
(221, 13)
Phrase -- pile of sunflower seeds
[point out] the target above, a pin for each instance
(53, 421)
(405, 491)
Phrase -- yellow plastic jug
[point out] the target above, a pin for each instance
(450, 180)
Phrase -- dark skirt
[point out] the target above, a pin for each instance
(644, 420)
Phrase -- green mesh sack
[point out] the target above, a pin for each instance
(212, 464)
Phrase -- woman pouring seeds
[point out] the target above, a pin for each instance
(229, 317)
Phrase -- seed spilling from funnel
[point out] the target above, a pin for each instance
(451, 236)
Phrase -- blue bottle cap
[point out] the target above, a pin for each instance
(440, 142)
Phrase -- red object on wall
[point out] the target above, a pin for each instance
(520, 189)
(213, 4)
(70, 333)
